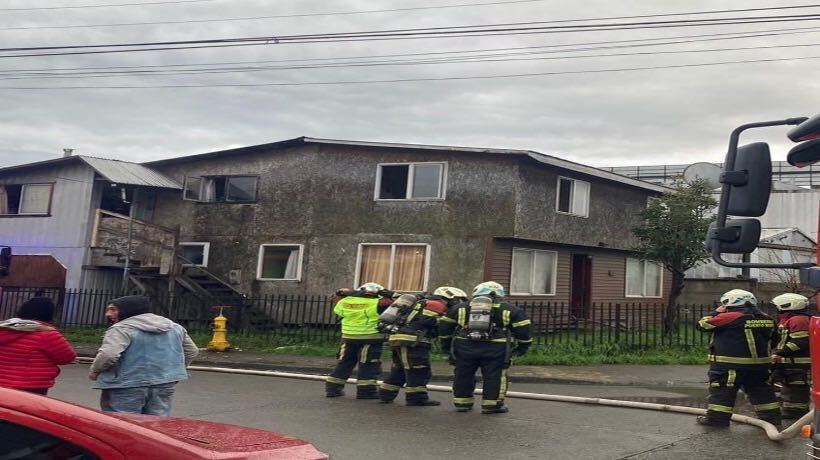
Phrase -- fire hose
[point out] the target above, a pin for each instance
(771, 431)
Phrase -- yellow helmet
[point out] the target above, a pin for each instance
(791, 302)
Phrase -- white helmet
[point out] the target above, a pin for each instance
(371, 288)
(449, 292)
(489, 287)
(791, 302)
(738, 298)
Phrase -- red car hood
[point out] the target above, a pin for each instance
(211, 435)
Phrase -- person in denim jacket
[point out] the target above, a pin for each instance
(141, 359)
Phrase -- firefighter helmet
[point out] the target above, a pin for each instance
(791, 302)
(489, 287)
(450, 293)
(737, 298)
(371, 288)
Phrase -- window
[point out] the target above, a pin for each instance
(533, 272)
(30, 199)
(411, 181)
(23, 442)
(400, 267)
(644, 278)
(573, 197)
(211, 189)
(280, 262)
(195, 254)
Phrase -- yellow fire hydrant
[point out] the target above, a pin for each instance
(219, 342)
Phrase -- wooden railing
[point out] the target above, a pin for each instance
(152, 246)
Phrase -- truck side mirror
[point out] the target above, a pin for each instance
(5, 260)
(740, 236)
(749, 181)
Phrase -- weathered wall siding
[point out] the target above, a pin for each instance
(40, 271)
(502, 263)
(65, 233)
(613, 210)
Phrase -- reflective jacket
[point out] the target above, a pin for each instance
(505, 318)
(741, 336)
(360, 317)
(422, 323)
(792, 339)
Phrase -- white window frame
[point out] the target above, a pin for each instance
(442, 183)
(20, 212)
(532, 272)
(644, 296)
(571, 196)
(428, 254)
(298, 263)
(206, 247)
(203, 183)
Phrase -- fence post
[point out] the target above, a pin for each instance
(617, 322)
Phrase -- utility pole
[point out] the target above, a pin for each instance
(127, 267)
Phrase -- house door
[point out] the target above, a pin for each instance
(581, 285)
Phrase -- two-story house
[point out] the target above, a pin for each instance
(312, 215)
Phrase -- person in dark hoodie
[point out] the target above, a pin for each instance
(31, 348)
(141, 359)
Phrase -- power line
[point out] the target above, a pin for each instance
(432, 32)
(418, 8)
(110, 5)
(609, 44)
(423, 79)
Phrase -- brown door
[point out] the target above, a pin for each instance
(581, 285)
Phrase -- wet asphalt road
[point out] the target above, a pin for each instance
(362, 430)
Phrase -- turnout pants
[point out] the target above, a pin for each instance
(491, 358)
(795, 380)
(724, 381)
(411, 367)
(367, 355)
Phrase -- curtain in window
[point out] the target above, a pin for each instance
(375, 266)
(35, 199)
(653, 279)
(408, 269)
(292, 263)
(634, 277)
(580, 198)
(4, 200)
(521, 271)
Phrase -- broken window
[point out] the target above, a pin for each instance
(32, 199)
(213, 189)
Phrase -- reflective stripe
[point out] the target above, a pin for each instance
(792, 346)
(405, 360)
(469, 400)
(750, 341)
(736, 360)
(524, 341)
(412, 315)
(336, 381)
(445, 336)
(416, 389)
(792, 405)
(447, 319)
(342, 350)
(366, 383)
(784, 336)
(768, 406)
(429, 313)
(363, 354)
(462, 317)
(363, 337)
(719, 408)
(798, 360)
(704, 323)
(388, 387)
(522, 323)
(407, 338)
(799, 335)
(504, 384)
(500, 340)
(489, 402)
(505, 318)
(730, 381)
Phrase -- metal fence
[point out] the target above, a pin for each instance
(311, 319)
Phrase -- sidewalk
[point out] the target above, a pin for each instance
(605, 374)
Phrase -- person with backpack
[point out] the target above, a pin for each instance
(484, 334)
(790, 354)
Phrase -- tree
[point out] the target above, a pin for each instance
(672, 234)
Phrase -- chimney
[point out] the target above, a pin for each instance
(67, 152)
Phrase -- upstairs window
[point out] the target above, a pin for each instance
(411, 181)
(644, 278)
(214, 189)
(573, 197)
(25, 199)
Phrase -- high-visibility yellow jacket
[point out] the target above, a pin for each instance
(360, 316)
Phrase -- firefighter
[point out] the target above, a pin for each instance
(483, 333)
(361, 340)
(790, 354)
(412, 323)
(739, 359)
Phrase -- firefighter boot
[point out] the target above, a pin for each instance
(711, 421)
(495, 410)
(771, 416)
(334, 390)
(426, 402)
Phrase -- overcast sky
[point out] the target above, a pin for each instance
(657, 116)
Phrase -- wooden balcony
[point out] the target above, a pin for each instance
(152, 246)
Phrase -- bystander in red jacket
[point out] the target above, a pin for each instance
(31, 349)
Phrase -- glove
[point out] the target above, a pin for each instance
(451, 360)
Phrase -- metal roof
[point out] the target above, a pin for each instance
(540, 157)
(115, 171)
(123, 172)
